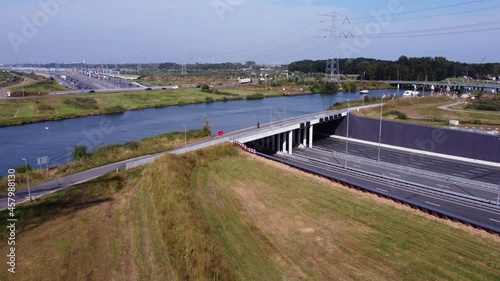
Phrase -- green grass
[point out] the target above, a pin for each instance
(427, 108)
(62, 107)
(36, 88)
(219, 214)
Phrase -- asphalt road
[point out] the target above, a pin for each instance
(437, 183)
(486, 217)
(455, 168)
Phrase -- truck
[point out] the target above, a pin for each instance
(245, 80)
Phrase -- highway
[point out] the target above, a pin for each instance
(454, 168)
(487, 217)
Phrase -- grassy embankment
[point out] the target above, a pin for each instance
(7, 79)
(36, 88)
(29, 110)
(219, 214)
(427, 108)
(108, 154)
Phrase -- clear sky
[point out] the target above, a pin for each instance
(272, 31)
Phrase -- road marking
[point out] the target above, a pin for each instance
(495, 220)
(476, 172)
(357, 166)
(325, 158)
(382, 190)
(467, 173)
(484, 170)
(395, 175)
(441, 185)
(430, 203)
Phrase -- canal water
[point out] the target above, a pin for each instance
(56, 139)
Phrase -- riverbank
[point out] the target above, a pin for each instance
(51, 108)
(109, 154)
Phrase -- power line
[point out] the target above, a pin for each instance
(429, 9)
(381, 36)
(437, 16)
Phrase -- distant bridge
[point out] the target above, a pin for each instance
(453, 85)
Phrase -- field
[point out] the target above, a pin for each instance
(426, 111)
(22, 111)
(36, 88)
(219, 214)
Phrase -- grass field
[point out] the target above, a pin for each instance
(22, 111)
(219, 214)
(427, 108)
(37, 87)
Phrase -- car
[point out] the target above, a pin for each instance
(163, 88)
(91, 92)
(148, 89)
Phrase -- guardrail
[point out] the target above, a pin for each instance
(450, 178)
(459, 196)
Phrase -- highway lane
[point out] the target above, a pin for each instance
(455, 168)
(437, 183)
(486, 217)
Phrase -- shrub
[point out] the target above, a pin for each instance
(205, 88)
(79, 152)
(255, 96)
(22, 169)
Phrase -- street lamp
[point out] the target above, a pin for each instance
(185, 135)
(321, 98)
(270, 116)
(27, 177)
(347, 135)
(380, 127)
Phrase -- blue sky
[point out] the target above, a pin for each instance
(273, 32)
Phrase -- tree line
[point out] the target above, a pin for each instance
(420, 69)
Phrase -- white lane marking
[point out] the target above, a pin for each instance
(441, 185)
(395, 175)
(467, 173)
(430, 203)
(484, 170)
(495, 220)
(458, 175)
(357, 166)
(382, 190)
(325, 158)
(476, 172)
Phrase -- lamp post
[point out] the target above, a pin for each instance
(347, 135)
(185, 135)
(380, 128)
(321, 98)
(27, 177)
(270, 116)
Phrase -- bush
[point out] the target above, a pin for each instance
(205, 88)
(115, 109)
(398, 114)
(255, 96)
(207, 129)
(82, 103)
(22, 169)
(209, 99)
(79, 152)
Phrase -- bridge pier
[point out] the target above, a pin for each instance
(290, 142)
(284, 143)
(304, 136)
(311, 136)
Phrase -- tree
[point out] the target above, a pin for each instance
(79, 152)
(207, 129)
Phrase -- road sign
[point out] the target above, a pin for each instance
(43, 160)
